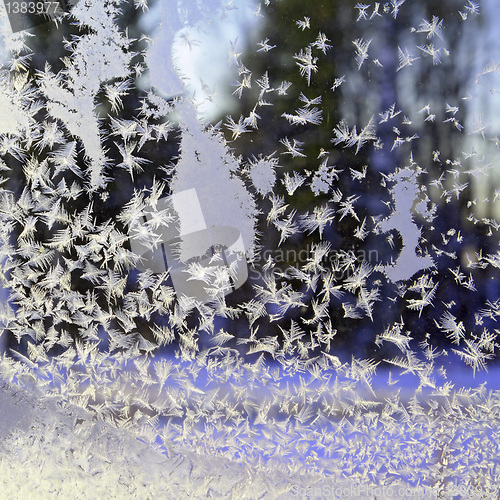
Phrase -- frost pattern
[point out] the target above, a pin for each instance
(361, 209)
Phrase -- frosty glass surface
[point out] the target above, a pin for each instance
(249, 249)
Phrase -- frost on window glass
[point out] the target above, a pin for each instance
(249, 249)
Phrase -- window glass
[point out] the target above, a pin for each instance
(250, 237)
